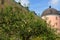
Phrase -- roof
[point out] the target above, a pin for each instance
(50, 11)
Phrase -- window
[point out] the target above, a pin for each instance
(2, 1)
(56, 23)
(56, 18)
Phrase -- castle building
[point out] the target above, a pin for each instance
(52, 17)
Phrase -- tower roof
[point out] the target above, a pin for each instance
(50, 11)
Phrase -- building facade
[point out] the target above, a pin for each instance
(52, 17)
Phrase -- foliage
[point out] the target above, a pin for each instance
(19, 24)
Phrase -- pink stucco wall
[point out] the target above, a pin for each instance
(53, 20)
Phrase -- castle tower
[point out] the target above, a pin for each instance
(52, 17)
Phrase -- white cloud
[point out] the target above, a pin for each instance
(17, 0)
(54, 2)
(24, 3)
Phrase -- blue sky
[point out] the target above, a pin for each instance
(40, 5)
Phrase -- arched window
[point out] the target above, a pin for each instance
(2, 1)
